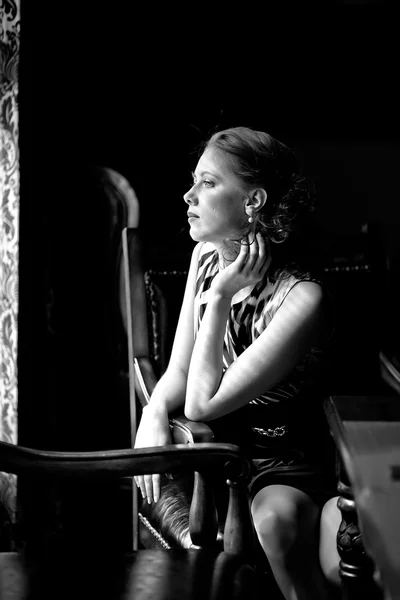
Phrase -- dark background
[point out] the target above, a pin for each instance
(106, 86)
(91, 94)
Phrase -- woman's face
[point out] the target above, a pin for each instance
(216, 200)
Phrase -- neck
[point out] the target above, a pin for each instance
(227, 252)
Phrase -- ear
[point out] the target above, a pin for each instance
(255, 201)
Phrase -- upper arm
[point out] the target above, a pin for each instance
(293, 330)
(184, 336)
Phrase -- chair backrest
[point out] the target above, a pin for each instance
(85, 361)
(164, 290)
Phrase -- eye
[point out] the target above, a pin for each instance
(208, 182)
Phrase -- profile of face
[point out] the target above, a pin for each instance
(217, 200)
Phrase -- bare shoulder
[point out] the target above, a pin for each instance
(305, 298)
(307, 291)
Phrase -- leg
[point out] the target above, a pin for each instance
(328, 555)
(287, 524)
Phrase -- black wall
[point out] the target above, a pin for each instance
(95, 98)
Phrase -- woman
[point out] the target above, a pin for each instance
(248, 355)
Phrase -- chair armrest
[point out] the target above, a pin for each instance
(389, 362)
(145, 379)
(217, 458)
(185, 431)
(126, 462)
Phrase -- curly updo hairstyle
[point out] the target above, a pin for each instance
(258, 159)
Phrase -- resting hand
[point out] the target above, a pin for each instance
(247, 269)
(153, 431)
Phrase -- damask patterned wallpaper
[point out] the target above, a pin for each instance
(9, 233)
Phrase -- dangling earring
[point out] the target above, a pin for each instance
(250, 220)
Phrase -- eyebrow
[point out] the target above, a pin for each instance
(206, 173)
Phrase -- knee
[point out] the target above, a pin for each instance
(285, 520)
(277, 532)
(276, 521)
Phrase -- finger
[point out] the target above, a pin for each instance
(253, 251)
(261, 248)
(251, 236)
(148, 482)
(242, 256)
(156, 487)
(140, 484)
(262, 255)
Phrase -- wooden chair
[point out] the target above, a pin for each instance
(107, 328)
(88, 385)
(143, 303)
(69, 563)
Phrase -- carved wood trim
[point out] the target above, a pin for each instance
(356, 568)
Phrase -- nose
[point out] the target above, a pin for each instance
(190, 196)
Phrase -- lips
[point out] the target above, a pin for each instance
(192, 215)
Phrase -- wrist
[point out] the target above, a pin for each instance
(156, 409)
(220, 298)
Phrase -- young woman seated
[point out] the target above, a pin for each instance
(249, 355)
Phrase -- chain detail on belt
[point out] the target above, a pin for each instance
(277, 432)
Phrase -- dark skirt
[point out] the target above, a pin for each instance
(318, 481)
(301, 454)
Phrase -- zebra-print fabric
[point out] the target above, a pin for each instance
(250, 315)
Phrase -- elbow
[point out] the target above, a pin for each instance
(199, 406)
(194, 413)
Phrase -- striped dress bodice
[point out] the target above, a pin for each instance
(267, 416)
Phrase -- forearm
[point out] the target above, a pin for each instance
(206, 365)
(169, 393)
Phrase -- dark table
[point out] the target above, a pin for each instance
(366, 431)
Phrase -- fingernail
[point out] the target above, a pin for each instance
(155, 498)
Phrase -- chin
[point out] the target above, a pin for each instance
(216, 235)
(194, 237)
(202, 238)
(197, 237)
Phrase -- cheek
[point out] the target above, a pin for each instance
(235, 213)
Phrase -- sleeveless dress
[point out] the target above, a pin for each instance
(284, 430)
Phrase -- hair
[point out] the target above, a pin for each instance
(260, 160)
